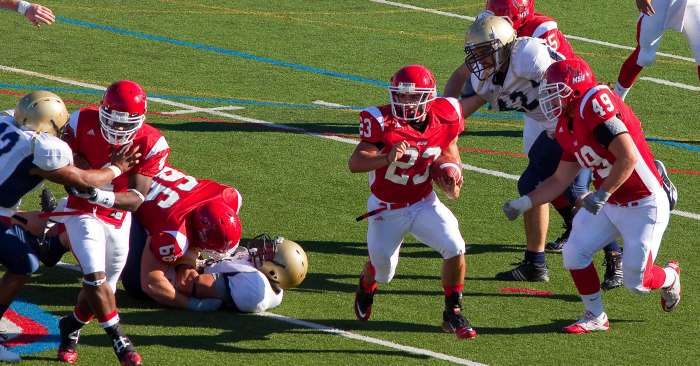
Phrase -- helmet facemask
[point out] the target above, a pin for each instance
(486, 58)
(553, 98)
(262, 248)
(119, 128)
(409, 103)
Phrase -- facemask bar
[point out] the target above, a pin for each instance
(550, 98)
(476, 53)
(262, 248)
(414, 110)
(112, 134)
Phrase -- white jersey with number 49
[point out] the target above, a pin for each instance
(518, 90)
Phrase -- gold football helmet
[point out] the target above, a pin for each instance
(283, 261)
(41, 111)
(486, 45)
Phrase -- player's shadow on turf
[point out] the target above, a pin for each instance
(554, 327)
(494, 133)
(408, 250)
(236, 126)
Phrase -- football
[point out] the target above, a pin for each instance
(445, 167)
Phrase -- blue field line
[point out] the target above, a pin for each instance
(223, 51)
(676, 144)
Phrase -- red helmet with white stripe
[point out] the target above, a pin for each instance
(412, 89)
(518, 11)
(216, 227)
(564, 82)
(122, 111)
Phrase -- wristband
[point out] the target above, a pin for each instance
(23, 6)
(103, 198)
(115, 169)
(138, 194)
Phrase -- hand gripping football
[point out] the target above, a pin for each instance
(443, 169)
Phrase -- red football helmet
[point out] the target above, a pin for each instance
(122, 111)
(411, 89)
(564, 82)
(518, 11)
(215, 227)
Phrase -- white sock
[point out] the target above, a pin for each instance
(593, 303)
(621, 90)
(671, 276)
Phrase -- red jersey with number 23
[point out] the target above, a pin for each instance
(407, 180)
(577, 139)
(164, 213)
(85, 139)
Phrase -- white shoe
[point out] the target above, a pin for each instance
(7, 355)
(589, 323)
(671, 296)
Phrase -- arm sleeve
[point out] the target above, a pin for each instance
(607, 131)
(51, 153)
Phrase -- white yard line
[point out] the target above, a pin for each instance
(578, 38)
(671, 83)
(329, 104)
(366, 339)
(189, 111)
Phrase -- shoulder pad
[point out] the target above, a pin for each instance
(448, 109)
(598, 105)
(51, 153)
(531, 57)
(372, 124)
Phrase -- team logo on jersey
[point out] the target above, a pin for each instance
(29, 329)
(91, 132)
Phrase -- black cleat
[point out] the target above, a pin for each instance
(69, 342)
(525, 271)
(454, 322)
(613, 271)
(363, 304)
(47, 200)
(558, 244)
(125, 351)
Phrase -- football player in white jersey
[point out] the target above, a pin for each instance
(31, 152)
(656, 17)
(506, 72)
(35, 13)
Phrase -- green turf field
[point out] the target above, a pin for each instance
(274, 59)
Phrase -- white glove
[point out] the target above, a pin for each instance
(514, 208)
(594, 202)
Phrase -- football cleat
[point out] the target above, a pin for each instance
(454, 322)
(525, 271)
(47, 200)
(613, 271)
(558, 244)
(130, 358)
(363, 304)
(669, 187)
(671, 296)
(69, 341)
(589, 323)
(7, 355)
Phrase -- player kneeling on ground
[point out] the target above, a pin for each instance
(597, 130)
(399, 142)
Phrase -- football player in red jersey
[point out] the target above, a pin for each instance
(99, 230)
(398, 143)
(597, 130)
(192, 213)
(656, 17)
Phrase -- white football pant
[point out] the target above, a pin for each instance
(98, 246)
(429, 221)
(670, 14)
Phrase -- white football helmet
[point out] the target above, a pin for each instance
(487, 45)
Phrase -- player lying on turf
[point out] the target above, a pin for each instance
(596, 129)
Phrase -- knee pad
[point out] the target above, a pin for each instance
(572, 259)
(384, 276)
(646, 57)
